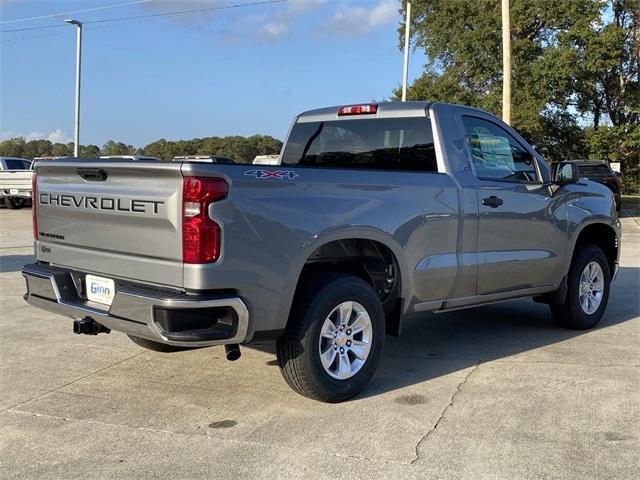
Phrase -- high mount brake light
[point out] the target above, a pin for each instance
(200, 234)
(358, 110)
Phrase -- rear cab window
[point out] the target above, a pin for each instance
(14, 164)
(597, 169)
(372, 143)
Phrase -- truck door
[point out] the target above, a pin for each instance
(521, 237)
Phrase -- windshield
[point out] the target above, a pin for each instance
(384, 144)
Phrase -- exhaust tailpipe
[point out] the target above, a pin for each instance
(233, 351)
(88, 326)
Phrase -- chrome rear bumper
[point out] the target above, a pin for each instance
(139, 310)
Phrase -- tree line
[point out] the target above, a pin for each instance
(575, 71)
(240, 149)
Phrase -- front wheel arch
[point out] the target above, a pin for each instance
(601, 235)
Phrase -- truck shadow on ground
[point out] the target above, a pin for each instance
(630, 212)
(14, 263)
(433, 345)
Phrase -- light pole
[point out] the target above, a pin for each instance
(506, 63)
(76, 137)
(405, 67)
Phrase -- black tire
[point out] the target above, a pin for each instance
(15, 203)
(298, 349)
(156, 346)
(571, 314)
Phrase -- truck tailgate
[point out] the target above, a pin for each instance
(120, 219)
(10, 179)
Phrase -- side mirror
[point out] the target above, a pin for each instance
(564, 173)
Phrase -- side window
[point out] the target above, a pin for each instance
(496, 155)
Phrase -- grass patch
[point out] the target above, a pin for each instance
(631, 201)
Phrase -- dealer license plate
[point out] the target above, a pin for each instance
(99, 289)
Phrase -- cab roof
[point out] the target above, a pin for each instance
(383, 110)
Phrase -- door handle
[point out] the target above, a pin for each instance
(492, 201)
(92, 174)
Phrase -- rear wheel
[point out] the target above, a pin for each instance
(156, 346)
(587, 290)
(15, 203)
(334, 338)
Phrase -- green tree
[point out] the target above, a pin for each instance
(607, 86)
(89, 151)
(240, 149)
(61, 150)
(13, 147)
(462, 40)
(117, 148)
(573, 62)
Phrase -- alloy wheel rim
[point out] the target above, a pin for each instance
(345, 340)
(591, 288)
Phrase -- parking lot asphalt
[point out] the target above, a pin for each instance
(493, 392)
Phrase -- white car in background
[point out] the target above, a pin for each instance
(15, 181)
(135, 158)
(205, 159)
(266, 160)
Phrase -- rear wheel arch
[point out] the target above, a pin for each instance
(359, 255)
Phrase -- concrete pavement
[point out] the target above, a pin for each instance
(494, 392)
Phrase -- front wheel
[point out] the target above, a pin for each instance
(334, 338)
(588, 287)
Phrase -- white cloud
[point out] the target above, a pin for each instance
(276, 26)
(274, 30)
(56, 136)
(303, 6)
(354, 21)
(271, 23)
(264, 23)
(6, 134)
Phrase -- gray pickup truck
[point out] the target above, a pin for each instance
(373, 212)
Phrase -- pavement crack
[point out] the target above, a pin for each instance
(9, 409)
(583, 364)
(443, 413)
(210, 438)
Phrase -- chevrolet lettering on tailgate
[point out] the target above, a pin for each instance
(99, 203)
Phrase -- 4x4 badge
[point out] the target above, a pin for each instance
(277, 174)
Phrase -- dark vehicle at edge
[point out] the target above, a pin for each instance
(599, 171)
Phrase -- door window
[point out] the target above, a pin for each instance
(496, 154)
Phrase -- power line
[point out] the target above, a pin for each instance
(156, 15)
(75, 11)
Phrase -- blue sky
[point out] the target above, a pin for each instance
(228, 72)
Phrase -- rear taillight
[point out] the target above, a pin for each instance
(34, 202)
(370, 108)
(200, 234)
